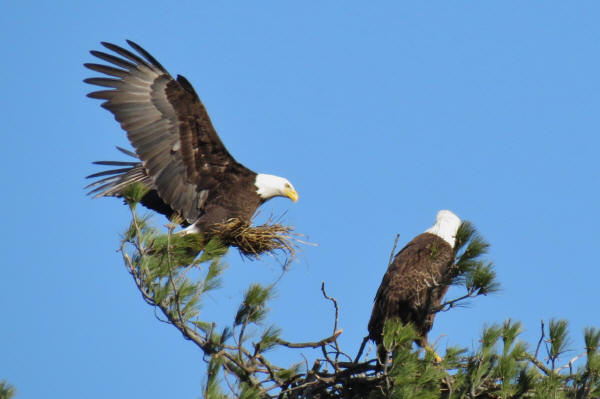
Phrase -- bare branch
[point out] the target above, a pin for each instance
(393, 250)
(537, 349)
(316, 344)
(361, 349)
(335, 305)
(570, 363)
(447, 305)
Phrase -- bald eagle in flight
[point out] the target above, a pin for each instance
(417, 280)
(181, 159)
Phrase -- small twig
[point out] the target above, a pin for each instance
(241, 338)
(335, 324)
(571, 362)
(229, 385)
(171, 279)
(335, 304)
(338, 353)
(361, 349)
(447, 305)
(393, 250)
(270, 370)
(157, 316)
(306, 361)
(537, 349)
(316, 344)
(328, 359)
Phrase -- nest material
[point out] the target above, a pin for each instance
(254, 241)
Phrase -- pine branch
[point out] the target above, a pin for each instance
(7, 391)
(501, 367)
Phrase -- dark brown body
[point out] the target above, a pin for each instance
(414, 284)
(236, 199)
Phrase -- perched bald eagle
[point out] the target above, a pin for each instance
(182, 160)
(417, 279)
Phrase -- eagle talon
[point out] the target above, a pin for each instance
(436, 358)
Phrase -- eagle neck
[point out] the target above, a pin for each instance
(445, 227)
(268, 186)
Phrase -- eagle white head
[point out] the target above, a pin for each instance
(446, 225)
(269, 186)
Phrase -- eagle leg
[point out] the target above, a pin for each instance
(436, 358)
(428, 349)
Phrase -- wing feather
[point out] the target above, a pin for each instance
(102, 94)
(146, 55)
(127, 54)
(167, 125)
(107, 172)
(113, 60)
(105, 82)
(107, 70)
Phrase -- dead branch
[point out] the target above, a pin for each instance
(316, 344)
(537, 349)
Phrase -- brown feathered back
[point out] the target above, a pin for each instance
(413, 284)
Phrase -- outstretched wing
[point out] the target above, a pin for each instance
(167, 125)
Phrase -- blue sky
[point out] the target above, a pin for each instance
(380, 115)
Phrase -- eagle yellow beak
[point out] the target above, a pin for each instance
(291, 194)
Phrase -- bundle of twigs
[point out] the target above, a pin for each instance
(254, 241)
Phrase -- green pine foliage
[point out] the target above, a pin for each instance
(269, 338)
(212, 388)
(253, 308)
(412, 375)
(472, 272)
(7, 391)
(133, 194)
(502, 367)
(175, 272)
(559, 341)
